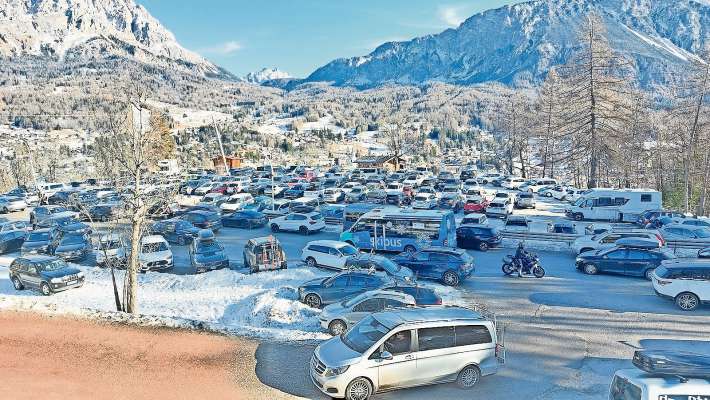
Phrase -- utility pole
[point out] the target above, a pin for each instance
(221, 148)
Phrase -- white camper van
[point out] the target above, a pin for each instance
(623, 205)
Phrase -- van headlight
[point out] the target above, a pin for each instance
(336, 371)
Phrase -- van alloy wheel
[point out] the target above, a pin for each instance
(468, 377)
(311, 262)
(687, 301)
(359, 389)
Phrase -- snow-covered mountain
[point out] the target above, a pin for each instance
(93, 29)
(265, 75)
(518, 44)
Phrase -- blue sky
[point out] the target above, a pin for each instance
(299, 36)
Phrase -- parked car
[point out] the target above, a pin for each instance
(66, 222)
(264, 254)
(407, 347)
(12, 204)
(696, 222)
(203, 219)
(6, 226)
(12, 240)
(424, 201)
(37, 241)
(631, 256)
(295, 191)
(70, 247)
(41, 212)
(46, 273)
(423, 296)
(474, 219)
(376, 262)
(516, 223)
(499, 209)
(155, 254)
(562, 227)
(645, 217)
(451, 201)
(206, 253)
(111, 251)
(607, 239)
(333, 195)
(244, 219)
(685, 232)
(684, 281)
(475, 205)
(524, 200)
(298, 222)
(356, 194)
(279, 208)
(104, 211)
(704, 253)
(327, 253)
(323, 291)
(338, 317)
(176, 231)
(447, 265)
(237, 202)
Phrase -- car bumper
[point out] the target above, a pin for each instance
(212, 267)
(156, 267)
(60, 287)
(71, 256)
(331, 386)
(662, 295)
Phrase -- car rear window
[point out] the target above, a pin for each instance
(316, 216)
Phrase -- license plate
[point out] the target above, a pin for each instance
(71, 283)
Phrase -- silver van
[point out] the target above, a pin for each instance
(408, 347)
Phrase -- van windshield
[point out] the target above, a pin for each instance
(364, 334)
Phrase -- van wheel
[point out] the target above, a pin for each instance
(483, 246)
(358, 389)
(450, 278)
(312, 300)
(468, 377)
(311, 262)
(17, 283)
(337, 327)
(274, 228)
(591, 269)
(44, 288)
(687, 301)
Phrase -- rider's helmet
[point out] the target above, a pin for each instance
(521, 245)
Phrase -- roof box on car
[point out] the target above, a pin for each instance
(673, 363)
(638, 243)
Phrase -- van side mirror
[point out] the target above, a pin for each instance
(385, 355)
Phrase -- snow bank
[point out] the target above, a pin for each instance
(263, 305)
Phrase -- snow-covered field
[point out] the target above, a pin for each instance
(263, 305)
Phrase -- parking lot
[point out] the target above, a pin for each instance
(565, 333)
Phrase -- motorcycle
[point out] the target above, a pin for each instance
(512, 265)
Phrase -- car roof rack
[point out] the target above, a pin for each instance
(680, 364)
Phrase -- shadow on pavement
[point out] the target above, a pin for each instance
(284, 366)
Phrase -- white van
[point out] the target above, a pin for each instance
(408, 347)
(623, 205)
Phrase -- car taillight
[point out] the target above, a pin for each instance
(438, 302)
(661, 240)
(662, 282)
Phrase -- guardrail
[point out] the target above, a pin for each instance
(570, 238)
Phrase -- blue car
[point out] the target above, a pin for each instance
(11, 241)
(323, 291)
(206, 254)
(176, 231)
(450, 266)
(203, 219)
(633, 257)
(295, 191)
(244, 219)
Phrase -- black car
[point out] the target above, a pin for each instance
(633, 257)
(176, 230)
(70, 246)
(104, 212)
(244, 219)
(203, 219)
(480, 237)
(450, 266)
(48, 274)
(11, 241)
(37, 241)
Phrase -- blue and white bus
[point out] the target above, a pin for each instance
(396, 229)
(354, 211)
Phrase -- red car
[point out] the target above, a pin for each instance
(223, 189)
(475, 206)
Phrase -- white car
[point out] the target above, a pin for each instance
(278, 190)
(394, 188)
(358, 193)
(513, 183)
(539, 184)
(558, 192)
(299, 222)
(333, 195)
(338, 317)
(507, 197)
(499, 209)
(204, 189)
(424, 201)
(155, 254)
(327, 253)
(348, 186)
(685, 281)
(111, 249)
(12, 204)
(413, 180)
(607, 240)
(573, 194)
(237, 202)
(213, 199)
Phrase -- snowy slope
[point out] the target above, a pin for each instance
(265, 75)
(90, 29)
(519, 43)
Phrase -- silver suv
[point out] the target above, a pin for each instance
(405, 348)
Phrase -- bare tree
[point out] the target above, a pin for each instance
(547, 124)
(133, 143)
(596, 86)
